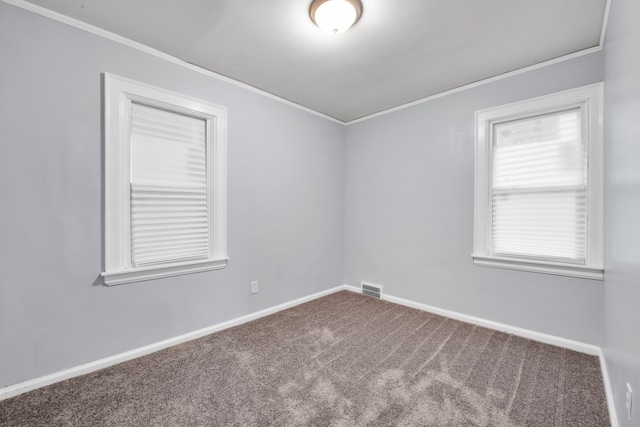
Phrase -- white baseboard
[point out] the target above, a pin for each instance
(613, 417)
(25, 386)
(514, 330)
(521, 332)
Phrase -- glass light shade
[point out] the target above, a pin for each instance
(335, 16)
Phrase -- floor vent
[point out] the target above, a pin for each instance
(371, 290)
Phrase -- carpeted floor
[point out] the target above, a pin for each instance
(341, 360)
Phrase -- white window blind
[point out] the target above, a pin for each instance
(538, 194)
(169, 206)
(539, 188)
(165, 183)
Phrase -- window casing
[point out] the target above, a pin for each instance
(165, 183)
(538, 198)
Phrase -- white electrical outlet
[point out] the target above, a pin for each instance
(629, 401)
(254, 287)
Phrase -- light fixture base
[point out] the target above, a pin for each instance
(335, 16)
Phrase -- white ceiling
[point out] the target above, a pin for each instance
(400, 51)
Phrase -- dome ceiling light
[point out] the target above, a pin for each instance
(335, 16)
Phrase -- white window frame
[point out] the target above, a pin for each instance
(119, 92)
(589, 100)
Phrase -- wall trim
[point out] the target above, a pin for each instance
(29, 385)
(502, 327)
(605, 22)
(25, 386)
(521, 332)
(608, 391)
(479, 83)
(39, 10)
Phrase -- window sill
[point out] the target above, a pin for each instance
(155, 272)
(557, 269)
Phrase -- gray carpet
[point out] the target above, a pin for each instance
(341, 360)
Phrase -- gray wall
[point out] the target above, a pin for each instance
(404, 180)
(622, 204)
(285, 211)
(409, 211)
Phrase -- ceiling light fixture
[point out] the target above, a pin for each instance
(335, 16)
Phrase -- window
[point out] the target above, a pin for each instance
(165, 183)
(538, 185)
